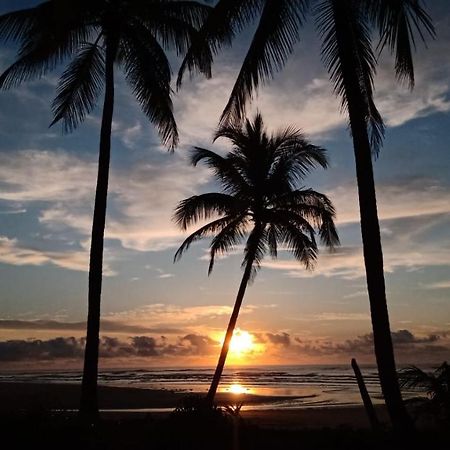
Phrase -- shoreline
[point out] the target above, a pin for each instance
(128, 403)
(49, 395)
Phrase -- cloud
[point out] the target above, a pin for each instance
(19, 350)
(408, 239)
(347, 262)
(106, 326)
(282, 339)
(438, 285)
(71, 348)
(397, 199)
(169, 315)
(141, 200)
(305, 97)
(408, 347)
(12, 252)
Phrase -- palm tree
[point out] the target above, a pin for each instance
(98, 35)
(436, 385)
(345, 27)
(260, 199)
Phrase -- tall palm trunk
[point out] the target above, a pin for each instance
(373, 260)
(371, 238)
(89, 400)
(229, 334)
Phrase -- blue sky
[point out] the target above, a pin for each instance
(47, 182)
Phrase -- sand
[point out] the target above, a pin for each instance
(119, 402)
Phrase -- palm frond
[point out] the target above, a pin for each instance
(14, 25)
(223, 168)
(347, 53)
(147, 69)
(230, 236)
(314, 207)
(271, 238)
(50, 35)
(302, 246)
(192, 13)
(273, 41)
(255, 248)
(412, 378)
(281, 215)
(227, 18)
(236, 134)
(175, 24)
(79, 87)
(203, 231)
(294, 159)
(398, 21)
(203, 207)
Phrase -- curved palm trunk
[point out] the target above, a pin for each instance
(373, 260)
(229, 334)
(89, 400)
(370, 228)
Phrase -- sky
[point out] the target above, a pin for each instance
(156, 313)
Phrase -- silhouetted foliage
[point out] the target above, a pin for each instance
(435, 385)
(261, 203)
(345, 27)
(97, 36)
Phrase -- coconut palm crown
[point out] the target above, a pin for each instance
(261, 202)
(97, 37)
(346, 29)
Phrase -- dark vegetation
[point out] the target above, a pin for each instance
(183, 430)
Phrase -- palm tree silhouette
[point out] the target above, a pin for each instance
(99, 35)
(260, 199)
(345, 27)
(436, 385)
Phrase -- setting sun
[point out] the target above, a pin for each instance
(237, 389)
(241, 342)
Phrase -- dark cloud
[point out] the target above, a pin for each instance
(279, 339)
(109, 347)
(406, 344)
(20, 350)
(404, 337)
(146, 346)
(198, 344)
(106, 325)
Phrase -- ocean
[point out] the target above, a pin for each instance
(300, 386)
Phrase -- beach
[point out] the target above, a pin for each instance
(45, 415)
(133, 403)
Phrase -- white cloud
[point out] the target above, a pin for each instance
(12, 252)
(170, 315)
(310, 103)
(402, 198)
(438, 285)
(141, 198)
(348, 263)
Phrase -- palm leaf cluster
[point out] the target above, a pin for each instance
(137, 33)
(435, 385)
(260, 197)
(278, 29)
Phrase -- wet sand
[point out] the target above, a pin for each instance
(131, 403)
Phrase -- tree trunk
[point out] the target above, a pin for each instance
(371, 414)
(370, 227)
(373, 260)
(89, 400)
(229, 334)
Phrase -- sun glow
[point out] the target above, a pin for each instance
(244, 347)
(241, 342)
(237, 389)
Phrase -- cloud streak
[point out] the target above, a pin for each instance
(71, 348)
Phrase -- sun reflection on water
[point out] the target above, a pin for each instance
(238, 389)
